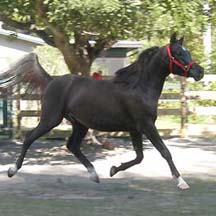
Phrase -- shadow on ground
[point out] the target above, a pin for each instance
(43, 152)
(206, 144)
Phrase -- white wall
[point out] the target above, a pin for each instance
(111, 65)
(13, 49)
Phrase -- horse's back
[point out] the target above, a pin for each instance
(76, 85)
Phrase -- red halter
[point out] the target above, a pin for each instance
(172, 61)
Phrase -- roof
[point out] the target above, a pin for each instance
(39, 41)
(21, 36)
(128, 44)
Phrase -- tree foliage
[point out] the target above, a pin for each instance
(81, 30)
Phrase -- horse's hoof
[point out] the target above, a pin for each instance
(182, 184)
(12, 171)
(113, 171)
(94, 177)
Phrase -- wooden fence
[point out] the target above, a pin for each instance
(175, 91)
(189, 101)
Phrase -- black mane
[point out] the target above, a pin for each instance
(130, 75)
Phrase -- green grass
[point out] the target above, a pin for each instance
(35, 207)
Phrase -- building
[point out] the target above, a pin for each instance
(116, 57)
(13, 46)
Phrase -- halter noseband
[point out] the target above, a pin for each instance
(172, 61)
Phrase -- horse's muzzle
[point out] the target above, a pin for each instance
(197, 72)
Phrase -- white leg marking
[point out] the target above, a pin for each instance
(12, 171)
(182, 184)
(94, 176)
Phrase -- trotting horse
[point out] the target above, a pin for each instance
(128, 102)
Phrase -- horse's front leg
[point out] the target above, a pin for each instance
(137, 144)
(153, 135)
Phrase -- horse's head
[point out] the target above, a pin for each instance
(180, 60)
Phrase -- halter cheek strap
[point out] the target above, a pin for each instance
(172, 61)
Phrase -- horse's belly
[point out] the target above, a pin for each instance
(110, 126)
(105, 122)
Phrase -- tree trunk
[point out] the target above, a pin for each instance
(81, 67)
(76, 58)
(78, 65)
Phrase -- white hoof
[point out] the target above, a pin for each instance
(94, 177)
(182, 184)
(12, 171)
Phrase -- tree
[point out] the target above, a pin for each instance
(211, 13)
(81, 30)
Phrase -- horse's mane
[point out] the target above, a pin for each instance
(130, 75)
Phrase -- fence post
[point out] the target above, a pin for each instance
(184, 108)
(17, 115)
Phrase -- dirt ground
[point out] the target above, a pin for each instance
(52, 182)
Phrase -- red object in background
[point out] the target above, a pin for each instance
(97, 76)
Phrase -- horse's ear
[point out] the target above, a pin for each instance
(173, 38)
(181, 40)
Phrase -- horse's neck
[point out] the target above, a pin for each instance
(153, 85)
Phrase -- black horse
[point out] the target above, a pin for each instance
(128, 102)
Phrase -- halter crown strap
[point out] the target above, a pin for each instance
(172, 61)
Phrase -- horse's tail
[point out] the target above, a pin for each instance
(27, 73)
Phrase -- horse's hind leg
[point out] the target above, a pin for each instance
(137, 144)
(73, 144)
(43, 127)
